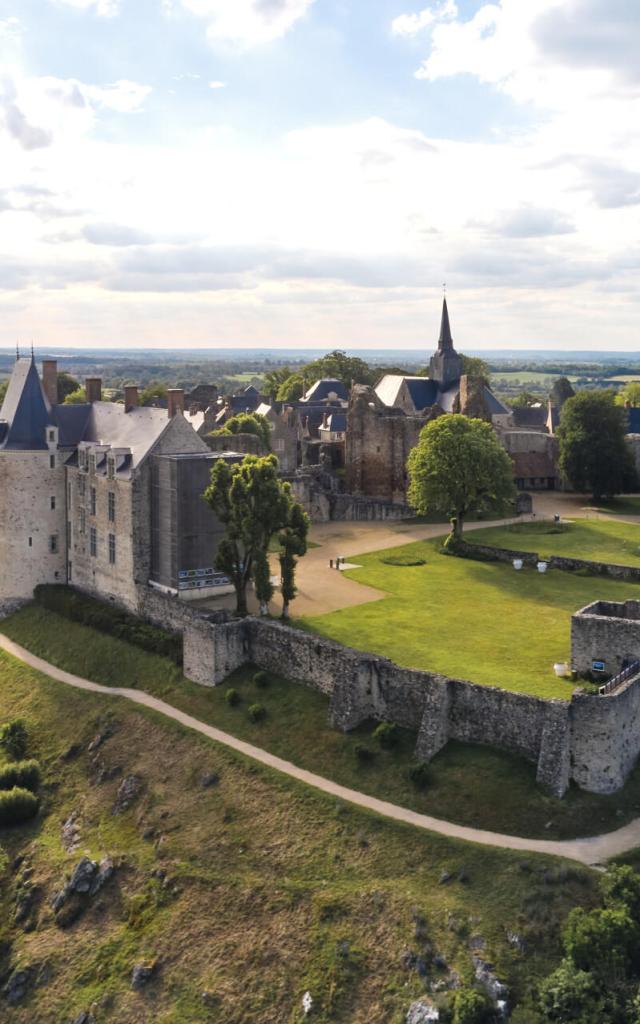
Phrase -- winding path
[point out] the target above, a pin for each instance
(591, 851)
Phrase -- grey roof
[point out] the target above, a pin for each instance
(388, 388)
(25, 411)
(494, 405)
(633, 421)
(139, 429)
(321, 390)
(446, 399)
(423, 390)
(72, 422)
(445, 341)
(337, 421)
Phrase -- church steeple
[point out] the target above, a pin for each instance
(445, 341)
(445, 365)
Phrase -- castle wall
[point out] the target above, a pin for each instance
(377, 448)
(605, 735)
(28, 522)
(607, 632)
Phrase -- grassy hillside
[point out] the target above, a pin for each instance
(599, 540)
(468, 784)
(245, 893)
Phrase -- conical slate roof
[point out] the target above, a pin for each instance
(25, 413)
(445, 341)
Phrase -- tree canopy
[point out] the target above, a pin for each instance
(339, 366)
(525, 400)
(458, 466)
(630, 394)
(154, 394)
(292, 389)
(253, 505)
(77, 397)
(561, 390)
(594, 455)
(67, 385)
(247, 423)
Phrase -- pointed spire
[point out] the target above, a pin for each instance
(445, 341)
(33, 358)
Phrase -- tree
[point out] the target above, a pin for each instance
(524, 400)
(77, 397)
(292, 389)
(561, 390)
(630, 394)
(154, 394)
(593, 453)
(66, 386)
(274, 378)
(293, 544)
(253, 504)
(458, 466)
(568, 994)
(339, 366)
(470, 1006)
(474, 366)
(247, 423)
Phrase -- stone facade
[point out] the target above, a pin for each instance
(606, 632)
(377, 447)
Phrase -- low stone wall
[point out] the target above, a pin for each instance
(605, 737)
(361, 686)
(489, 553)
(171, 613)
(607, 632)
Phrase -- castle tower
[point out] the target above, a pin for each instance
(445, 365)
(32, 489)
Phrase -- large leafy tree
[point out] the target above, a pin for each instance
(561, 391)
(292, 389)
(247, 423)
(66, 386)
(593, 453)
(253, 504)
(339, 366)
(458, 466)
(630, 394)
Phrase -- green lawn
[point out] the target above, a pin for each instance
(600, 540)
(471, 785)
(472, 620)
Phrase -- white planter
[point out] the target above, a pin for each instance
(517, 563)
(542, 566)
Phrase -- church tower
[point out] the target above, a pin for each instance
(445, 365)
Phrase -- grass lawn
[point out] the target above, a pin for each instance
(271, 889)
(471, 620)
(599, 540)
(468, 784)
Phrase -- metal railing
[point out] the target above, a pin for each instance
(622, 676)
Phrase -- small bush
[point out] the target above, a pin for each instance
(257, 712)
(232, 698)
(387, 735)
(23, 774)
(470, 1006)
(364, 754)
(17, 805)
(261, 680)
(13, 739)
(402, 560)
(419, 775)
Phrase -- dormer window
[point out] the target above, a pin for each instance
(52, 435)
(111, 467)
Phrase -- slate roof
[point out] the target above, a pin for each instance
(530, 415)
(337, 421)
(445, 341)
(321, 390)
(423, 391)
(72, 422)
(25, 411)
(494, 405)
(139, 429)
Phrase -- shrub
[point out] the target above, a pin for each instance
(568, 994)
(23, 774)
(17, 805)
(257, 712)
(387, 735)
(13, 738)
(364, 754)
(402, 560)
(109, 619)
(471, 1007)
(232, 698)
(419, 775)
(261, 680)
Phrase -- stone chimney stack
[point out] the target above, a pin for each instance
(50, 380)
(93, 389)
(131, 397)
(175, 398)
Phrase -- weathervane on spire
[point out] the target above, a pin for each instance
(444, 288)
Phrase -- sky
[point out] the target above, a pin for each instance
(312, 172)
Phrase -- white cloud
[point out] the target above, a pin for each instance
(217, 85)
(411, 24)
(124, 96)
(103, 8)
(247, 23)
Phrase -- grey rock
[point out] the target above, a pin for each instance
(492, 985)
(104, 873)
(83, 876)
(128, 791)
(444, 878)
(141, 975)
(422, 1012)
(517, 941)
(209, 779)
(440, 962)
(100, 738)
(71, 833)
(16, 988)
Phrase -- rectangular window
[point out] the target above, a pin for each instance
(92, 501)
(279, 444)
(53, 543)
(30, 542)
(52, 462)
(81, 521)
(52, 435)
(69, 571)
(68, 533)
(69, 492)
(82, 484)
(93, 541)
(52, 501)
(112, 507)
(92, 463)
(111, 467)
(112, 548)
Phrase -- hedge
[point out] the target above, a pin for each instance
(17, 805)
(23, 774)
(14, 738)
(108, 618)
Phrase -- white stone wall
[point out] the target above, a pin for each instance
(27, 522)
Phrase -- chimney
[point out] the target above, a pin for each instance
(131, 397)
(93, 389)
(50, 380)
(175, 398)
